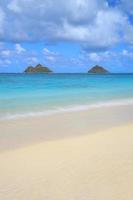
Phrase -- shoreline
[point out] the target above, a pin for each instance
(17, 133)
(80, 155)
(70, 109)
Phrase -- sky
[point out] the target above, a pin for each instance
(66, 36)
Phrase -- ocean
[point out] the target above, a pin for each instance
(31, 95)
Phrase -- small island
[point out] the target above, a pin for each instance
(98, 70)
(37, 69)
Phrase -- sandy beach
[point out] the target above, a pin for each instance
(66, 100)
(94, 165)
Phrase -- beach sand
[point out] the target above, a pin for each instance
(95, 164)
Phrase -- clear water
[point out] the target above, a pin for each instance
(24, 95)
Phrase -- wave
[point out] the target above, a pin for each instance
(68, 109)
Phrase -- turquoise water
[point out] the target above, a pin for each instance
(24, 95)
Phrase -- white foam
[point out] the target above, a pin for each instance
(75, 108)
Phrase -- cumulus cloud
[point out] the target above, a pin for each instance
(51, 20)
(19, 49)
(50, 55)
(94, 57)
(5, 53)
(94, 24)
(97, 57)
(127, 54)
(103, 32)
(32, 60)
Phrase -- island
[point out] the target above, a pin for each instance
(37, 69)
(98, 70)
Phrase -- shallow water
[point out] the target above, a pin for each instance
(23, 95)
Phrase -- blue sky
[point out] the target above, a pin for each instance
(67, 36)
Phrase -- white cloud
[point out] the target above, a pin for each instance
(93, 24)
(124, 52)
(94, 57)
(5, 53)
(13, 5)
(19, 49)
(103, 31)
(127, 54)
(89, 22)
(32, 60)
(98, 56)
(49, 55)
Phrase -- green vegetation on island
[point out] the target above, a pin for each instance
(37, 69)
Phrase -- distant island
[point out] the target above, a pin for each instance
(43, 69)
(37, 69)
(98, 70)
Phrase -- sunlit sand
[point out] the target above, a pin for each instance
(95, 166)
